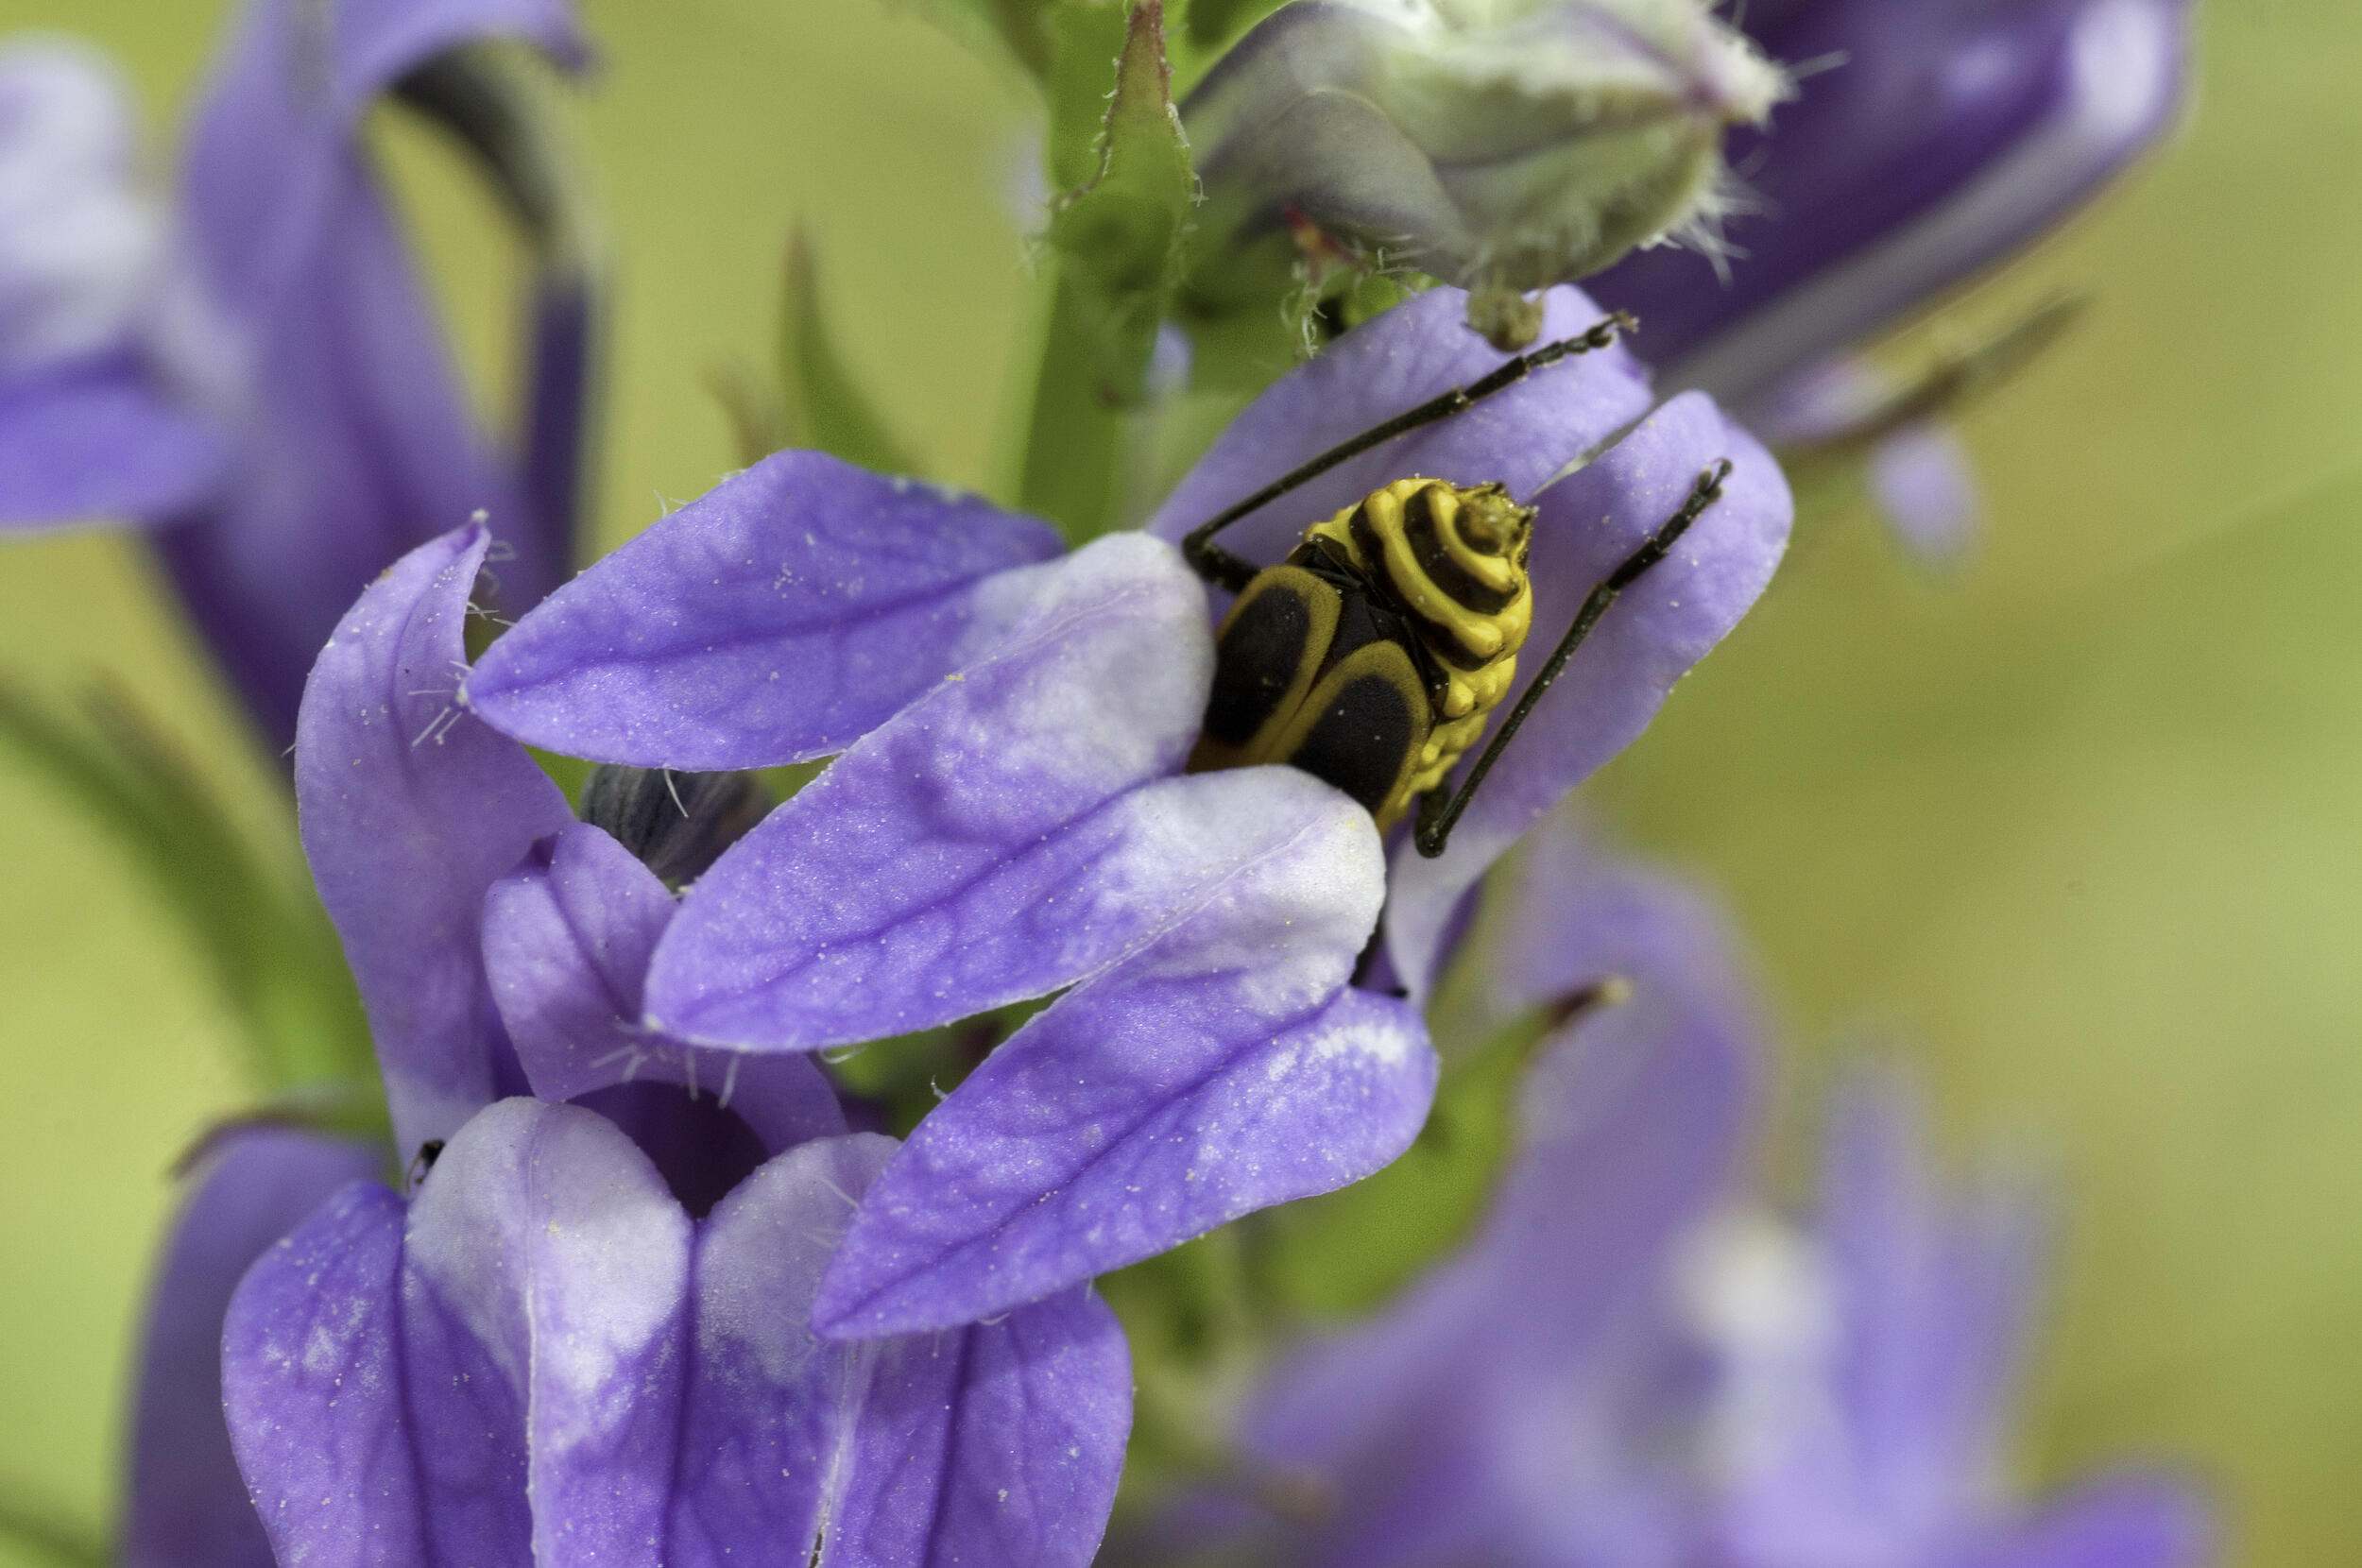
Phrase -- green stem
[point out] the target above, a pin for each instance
(1078, 431)
(263, 939)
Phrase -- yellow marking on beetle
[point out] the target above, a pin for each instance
(1445, 561)
(1484, 537)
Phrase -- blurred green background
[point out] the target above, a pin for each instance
(2077, 830)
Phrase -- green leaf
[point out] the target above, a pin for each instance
(262, 933)
(751, 407)
(1114, 245)
(825, 406)
(1213, 22)
(810, 398)
(1017, 28)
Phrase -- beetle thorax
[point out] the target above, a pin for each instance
(1372, 657)
(1452, 558)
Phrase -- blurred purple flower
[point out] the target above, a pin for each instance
(83, 278)
(1010, 817)
(1633, 1367)
(1916, 470)
(586, 1334)
(1925, 143)
(1490, 1416)
(258, 377)
(1869, 1425)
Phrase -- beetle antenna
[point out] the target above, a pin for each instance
(1227, 570)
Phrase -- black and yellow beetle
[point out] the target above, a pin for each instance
(1374, 655)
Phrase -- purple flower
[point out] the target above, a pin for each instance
(543, 1357)
(187, 1507)
(587, 1333)
(1488, 1416)
(1875, 1429)
(1010, 817)
(1634, 1365)
(1920, 146)
(1924, 145)
(258, 377)
(83, 274)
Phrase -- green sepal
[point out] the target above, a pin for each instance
(1026, 32)
(1255, 312)
(1124, 224)
(1218, 22)
(252, 917)
(1113, 251)
(1365, 295)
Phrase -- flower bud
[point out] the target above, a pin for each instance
(1501, 144)
(1942, 138)
(676, 824)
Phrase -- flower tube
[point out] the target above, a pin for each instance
(583, 1331)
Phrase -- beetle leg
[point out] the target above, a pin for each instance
(1226, 569)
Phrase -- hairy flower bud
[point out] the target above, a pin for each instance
(677, 824)
(1501, 145)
